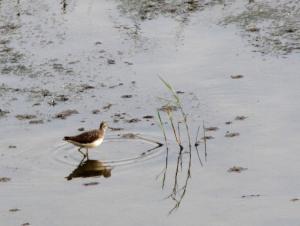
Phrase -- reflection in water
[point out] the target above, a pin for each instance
(90, 168)
(93, 168)
(181, 175)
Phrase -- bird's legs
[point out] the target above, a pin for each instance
(84, 155)
(81, 162)
(87, 153)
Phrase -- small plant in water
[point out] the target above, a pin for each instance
(182, 172)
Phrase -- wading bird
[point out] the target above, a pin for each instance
(89, 139)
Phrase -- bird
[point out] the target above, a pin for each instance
(88, 139)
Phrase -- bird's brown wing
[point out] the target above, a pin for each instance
(86, 137)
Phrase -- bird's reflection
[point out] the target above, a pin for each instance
(90, 168)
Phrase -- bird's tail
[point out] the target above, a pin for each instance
(66, 138)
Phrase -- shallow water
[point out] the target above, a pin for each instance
(107, 56)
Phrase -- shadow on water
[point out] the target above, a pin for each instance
(90, 168)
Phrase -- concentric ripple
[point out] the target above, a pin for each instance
(116, 150)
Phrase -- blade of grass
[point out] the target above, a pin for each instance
(167, 148)
(196, 146)
(204, 138)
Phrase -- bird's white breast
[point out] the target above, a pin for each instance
(97, 142)
(88, 145)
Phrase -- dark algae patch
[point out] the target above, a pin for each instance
(251, 196)
(65, 114)
(240, 117)
(96, 111)
(39, 121)
(116, 128)
(14, 210)
(148, 117)
(126, 96)
(4, 179)
(3, 113)
(237, 76)
(212, 128)
(133, 120)
(236, 169)
(231, 134)
(25, 117)
(111, 61)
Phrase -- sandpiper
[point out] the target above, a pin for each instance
(89, 139)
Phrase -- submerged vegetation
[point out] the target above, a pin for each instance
(270, 26)
(149, 9)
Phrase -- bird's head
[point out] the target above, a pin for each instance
(103, 126)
